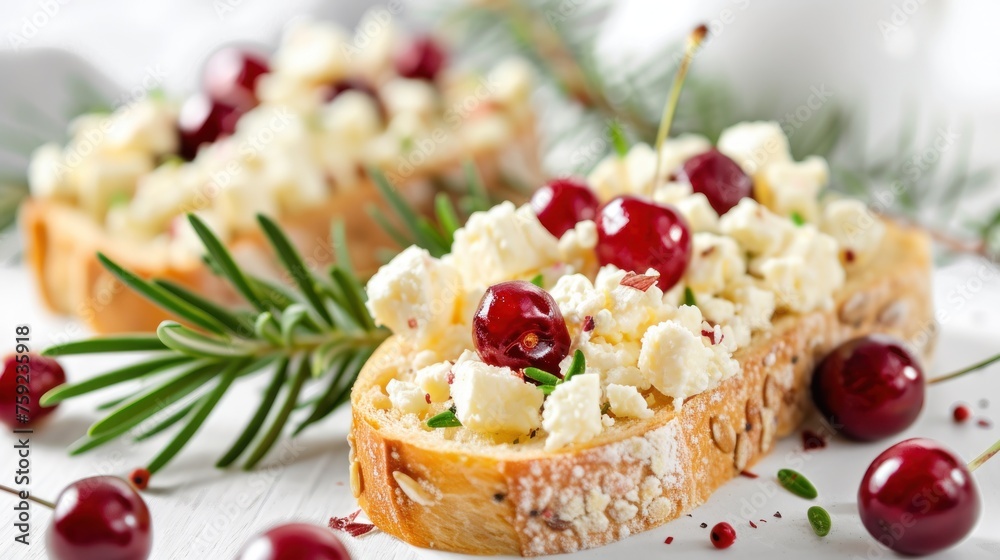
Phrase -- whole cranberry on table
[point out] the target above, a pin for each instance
(636, 235)
(723, 535)
(560, 204)
(203, 121)
(719, 178)
(918, 497)
(519, 325)
(101, 517)
(422, 59)
(295, 541)
(38, 374)
(230, 76)
(869, 388)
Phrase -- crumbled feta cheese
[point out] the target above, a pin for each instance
(628, 311)
(715, 261)
(501, 244)
(700, 215)
(790, 187)
(616, 363)
(680, 362)
(577, 299)
(755, 145)
(633, 174)
(433, 380)
(672, 192)
(47, 173)
(754, 305)
(102, 178)
(416, 97)
(494, 400)
(854, 227)
(313, 51)
(676, 151)
(415, 295)
(406, 397)
(576, 246)
(806, 275)
(512, 80)
(352, 118)
(148, 126)
(626, 401)
(756, 228)
(573, 412)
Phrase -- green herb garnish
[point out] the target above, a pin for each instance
(820, 520)
(446, 419)
(797, 484)
(689, 298)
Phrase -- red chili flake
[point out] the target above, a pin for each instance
(139, 478)
(669, 540)
(349, 526)
(849, 255)
(588, 323)
(748, 474)
(984, 423)
(411, 322)
(427, 397)
(451, 377)
(811, 440)
(777, 514)
(710, 334)
(752, 524)
(763, 520)
(961, 413)
(641, 282)
(708, 251)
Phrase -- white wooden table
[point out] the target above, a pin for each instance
(200, 512)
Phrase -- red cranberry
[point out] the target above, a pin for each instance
(230, 76)
(99, 517)
(519, 325)
(40, 375)
(423, 59)
(719, 178)
(869, 388)
(723, 535)
(636, 235)
(562, 203)
(918, 498)
(202, 121)
(295, 541)
(961, 413)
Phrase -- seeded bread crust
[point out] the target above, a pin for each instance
(62, 243)
(437, 492)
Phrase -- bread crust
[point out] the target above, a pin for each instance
(62, 243)
(640, 473)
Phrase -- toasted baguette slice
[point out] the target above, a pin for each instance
(442, 492)
(62, 243)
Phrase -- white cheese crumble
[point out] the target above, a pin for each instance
(573, 412)
(415, 295)
(698, 212)
(806, 275)
(755, 145)
(854, 227)
(494, 400)
(715, 261)
(680, 362)
(789, 187)
(502, 243)
(406, 397)
(433, 380)
(626, 401)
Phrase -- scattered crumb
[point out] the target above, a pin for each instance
(669, 540)
(763, 520)
(984, 423)
(752, 524)
(811, 440)
(704, 525)
(748, 474)
(777, 514)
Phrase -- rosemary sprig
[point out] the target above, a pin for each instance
(321, 331)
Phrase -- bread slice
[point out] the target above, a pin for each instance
(62, 242)
(434, 491)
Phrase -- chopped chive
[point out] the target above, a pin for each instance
(820, 521)
(689, 298)
(618, 139)
(577, 366)
(797, 219)
(547, 389)
(538, 280)
(446, 419)
(543, 377)
(797, 484)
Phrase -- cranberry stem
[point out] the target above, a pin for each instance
(40, 501)
(693, 42)
(978, 461)
(969, 369)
